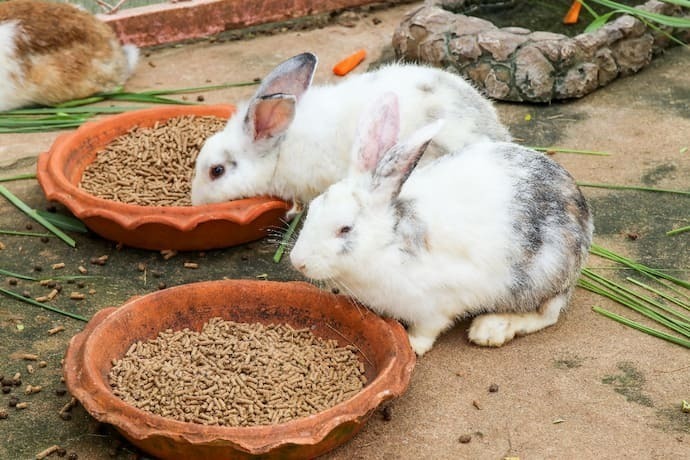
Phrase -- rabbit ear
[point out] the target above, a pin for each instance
(292, 76)
(377, 132)
(270, 116)
(397, 164)
(272, 108)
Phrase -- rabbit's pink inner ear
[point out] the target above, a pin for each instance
(271, 117)
(378, 131)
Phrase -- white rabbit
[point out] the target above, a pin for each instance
(493, 229)
(54, 52)
(292, 141)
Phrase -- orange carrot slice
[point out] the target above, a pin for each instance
(346, 65)
(573, 13)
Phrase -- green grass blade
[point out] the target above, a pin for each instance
(80, 102)
(13, 232)
(623, 296)
(41, 305)
(607, 254)
(642, 328)
(632, 187)
(34, 215)
(599, 22)
(670, 21)
(135, 97)
(18, 177)
(17, 275)
(661, 294)
(197, 89)
(286, 237)
(678, 231)
(64, 222)
(67, 110)
(566, 150)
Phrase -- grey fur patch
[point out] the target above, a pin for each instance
(411, 230)
(434, 113)
(548, 209)
(425, 88)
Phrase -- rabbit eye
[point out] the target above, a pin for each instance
(344, 230)
(216, 171)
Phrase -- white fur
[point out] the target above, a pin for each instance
(10, 71)
(462, 267)
(314, 152)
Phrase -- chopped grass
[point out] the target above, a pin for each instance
(566, 150)
(73, 114)
(21, 298)
(34, 215)
(18, 177)
(632, 187)
(655, 309)
(286, 237)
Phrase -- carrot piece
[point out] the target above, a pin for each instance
(573, 13)
(346, 65)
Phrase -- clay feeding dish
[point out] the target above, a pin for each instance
(388, 360)
(182, 228)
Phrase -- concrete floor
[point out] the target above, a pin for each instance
(585, 388)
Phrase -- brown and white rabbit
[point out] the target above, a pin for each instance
(492, 230)
(54, 52)
(292, 139)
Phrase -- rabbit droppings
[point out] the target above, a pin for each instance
(292, 140)
(492, 230)
(53, 52)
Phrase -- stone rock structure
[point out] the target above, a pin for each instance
(516, 64)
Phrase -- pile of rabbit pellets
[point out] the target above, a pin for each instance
(237, 374)
(151, 166)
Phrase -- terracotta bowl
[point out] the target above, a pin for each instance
(389, 362)
(183, 228)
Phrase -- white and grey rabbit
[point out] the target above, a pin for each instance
(54, 52)
(292, 139)
(493, 230)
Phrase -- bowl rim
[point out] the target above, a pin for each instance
(95, 395)
(83, 205)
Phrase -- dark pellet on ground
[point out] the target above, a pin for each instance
(44, 239)
(335, 290)
(61, 452)
(13, 401)
(26, 294)
(70, 281)
(200, 98)
(465, 438)
(12, 281)
(493, 388)
(81, 285)
(28, 226)
(66, 416)
(162, 285)
(51, 284)
(60, 391)
(38, 268)
(6, 390)
(51, 208)
(72, 456)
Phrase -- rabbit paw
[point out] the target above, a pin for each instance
(421, 344)
(491, 330)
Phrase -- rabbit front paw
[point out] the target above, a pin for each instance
(491, 330)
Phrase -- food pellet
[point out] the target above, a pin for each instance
(58, 266)
(76, 296)
(22, 405)
(151, 166)
(237, 374)
(56, 329)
